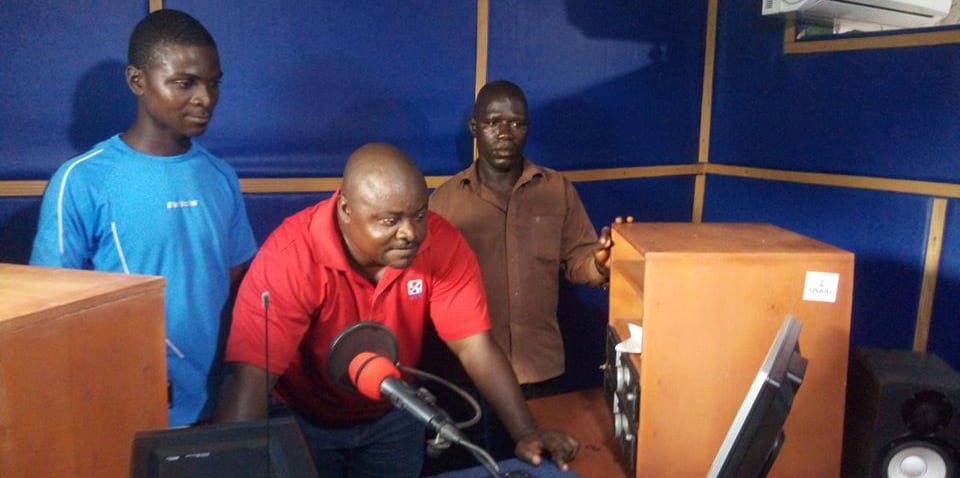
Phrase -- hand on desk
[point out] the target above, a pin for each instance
(561, 447)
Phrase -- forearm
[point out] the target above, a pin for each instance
(494, 378)
(244, 393)
(582, 267)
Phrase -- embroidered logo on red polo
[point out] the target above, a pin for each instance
(414, 287)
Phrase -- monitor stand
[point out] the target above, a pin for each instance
(774, 451)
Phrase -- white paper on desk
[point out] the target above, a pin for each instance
(634, 344)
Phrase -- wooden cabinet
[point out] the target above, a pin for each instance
(711, 298)
(82, 367)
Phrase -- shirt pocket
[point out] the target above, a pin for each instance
(545, 237)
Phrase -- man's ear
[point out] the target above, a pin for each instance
(343, 209)
(135, 80)
(472, 126)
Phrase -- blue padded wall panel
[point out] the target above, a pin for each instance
(305, 83)
(886, 232)
(62, 85)
(613, 83)
(945, 322)
(582, 311)
(18, 226)
(664, 199)
(889, 112)
(267, 211)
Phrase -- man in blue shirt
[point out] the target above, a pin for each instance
(151, 201)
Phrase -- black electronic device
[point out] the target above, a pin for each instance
(901, 417)
(228, 450)
(756, 435)
(621, 383)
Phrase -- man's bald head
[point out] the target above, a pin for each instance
(496, 90)
(382, 209)
(378, 168)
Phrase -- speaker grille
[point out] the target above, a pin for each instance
(928, 411)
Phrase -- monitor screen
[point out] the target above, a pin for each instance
(234, 450)
(756, 435)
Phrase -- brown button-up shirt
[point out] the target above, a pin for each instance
(522, 245)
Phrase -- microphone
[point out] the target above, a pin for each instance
(265, 301)
(375, 376)
(363, 356)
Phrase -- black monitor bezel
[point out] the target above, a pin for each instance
(756, 434)
(288, 452)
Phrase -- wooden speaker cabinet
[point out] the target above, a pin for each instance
(710, 299)
(82, 368)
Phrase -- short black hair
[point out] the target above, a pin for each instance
(498, 88)
(164, 26)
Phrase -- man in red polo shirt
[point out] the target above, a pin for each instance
(371, 252)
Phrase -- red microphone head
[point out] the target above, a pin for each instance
(368, 370)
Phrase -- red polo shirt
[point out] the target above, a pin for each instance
(315, 294)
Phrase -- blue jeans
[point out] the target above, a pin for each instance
(389, 447)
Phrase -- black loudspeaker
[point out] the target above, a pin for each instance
(901, 416)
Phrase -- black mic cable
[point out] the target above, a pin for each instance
(265, 300)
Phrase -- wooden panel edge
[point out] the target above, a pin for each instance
(699, 191)
(789, 31)
(636, 172)
(706, 98)
(904, 40)
(483, 40)
(293, 185)
(156, 5)
(483, 21)
(22, 188)
(931, 267)
(909, 186)
(289, 185)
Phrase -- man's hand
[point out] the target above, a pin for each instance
(491, 372)
(561, 447)
(602, 253)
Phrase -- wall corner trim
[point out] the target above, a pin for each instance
(931, 268)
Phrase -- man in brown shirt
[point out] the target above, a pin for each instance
(525, 223)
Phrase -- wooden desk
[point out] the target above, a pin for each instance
(584, 415)
(82, 367)
(711, 298)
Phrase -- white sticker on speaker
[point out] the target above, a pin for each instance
(821, 286)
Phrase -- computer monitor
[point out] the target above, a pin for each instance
(756, 435)
(229, 450)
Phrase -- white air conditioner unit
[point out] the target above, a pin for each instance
(898, 13)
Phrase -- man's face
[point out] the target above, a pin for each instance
(180, 88)
(500, 126)
(386, 227)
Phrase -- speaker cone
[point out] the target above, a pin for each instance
(918, 459)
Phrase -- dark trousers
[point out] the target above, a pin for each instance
(389, 447)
